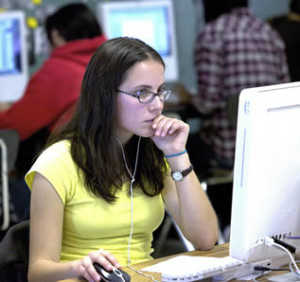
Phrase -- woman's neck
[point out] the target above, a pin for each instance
(123, 138)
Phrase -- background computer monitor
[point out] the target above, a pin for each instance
(13, 56)
(266, 189)
(150, 21)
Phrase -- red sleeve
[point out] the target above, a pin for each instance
(49, 93)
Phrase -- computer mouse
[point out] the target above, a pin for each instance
(116, 275)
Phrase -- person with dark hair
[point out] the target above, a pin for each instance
(233, 52)
(72, 22)
(74, 35)
(101, 186)
(214, 8)
(288, 27)
(295, 6)
(233, 4)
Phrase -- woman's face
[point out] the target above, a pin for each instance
(134, 117)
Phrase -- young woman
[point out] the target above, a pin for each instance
(100, 188)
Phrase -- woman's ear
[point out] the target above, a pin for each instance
(57, 39)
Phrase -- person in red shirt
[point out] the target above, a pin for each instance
(74, 35)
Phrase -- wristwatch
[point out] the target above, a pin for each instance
(178, 175)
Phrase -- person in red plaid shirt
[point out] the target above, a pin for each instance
(233, 52)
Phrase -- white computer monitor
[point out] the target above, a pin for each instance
(266, 189)
(13, 56)
(150, 21)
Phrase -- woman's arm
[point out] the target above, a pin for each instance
(185, 199)
(190, 207)
(46, 223)
(46, 219)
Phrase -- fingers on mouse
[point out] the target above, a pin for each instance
(115, 275)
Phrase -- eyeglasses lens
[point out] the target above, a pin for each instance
(149, 97)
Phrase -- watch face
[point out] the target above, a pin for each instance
(177, 175)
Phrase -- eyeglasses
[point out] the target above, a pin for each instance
(146, 97)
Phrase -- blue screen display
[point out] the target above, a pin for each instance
(10, 46)
(150, 24)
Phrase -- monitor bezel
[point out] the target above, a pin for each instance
(258, 202)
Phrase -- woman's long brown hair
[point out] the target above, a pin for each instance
(94, 147)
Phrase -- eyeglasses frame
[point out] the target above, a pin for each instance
(154, 95)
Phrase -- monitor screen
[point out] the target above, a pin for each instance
(150, 21)
(266, 187)
(13, 56)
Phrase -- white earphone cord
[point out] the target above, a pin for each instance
(131, 188)
(131, 202)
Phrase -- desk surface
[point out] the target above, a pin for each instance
(218, 251)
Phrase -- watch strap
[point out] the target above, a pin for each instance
(184, 172)
(187, 171)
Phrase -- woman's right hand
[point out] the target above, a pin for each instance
(86, 269)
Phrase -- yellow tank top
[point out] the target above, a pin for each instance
(90, 223)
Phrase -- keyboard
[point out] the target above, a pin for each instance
(193, 268)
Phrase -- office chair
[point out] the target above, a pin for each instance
(9, 145)
(164, 233)
(187, 245)
(14, 253)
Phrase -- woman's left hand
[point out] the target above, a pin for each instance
(4, 106)
(170, 134)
